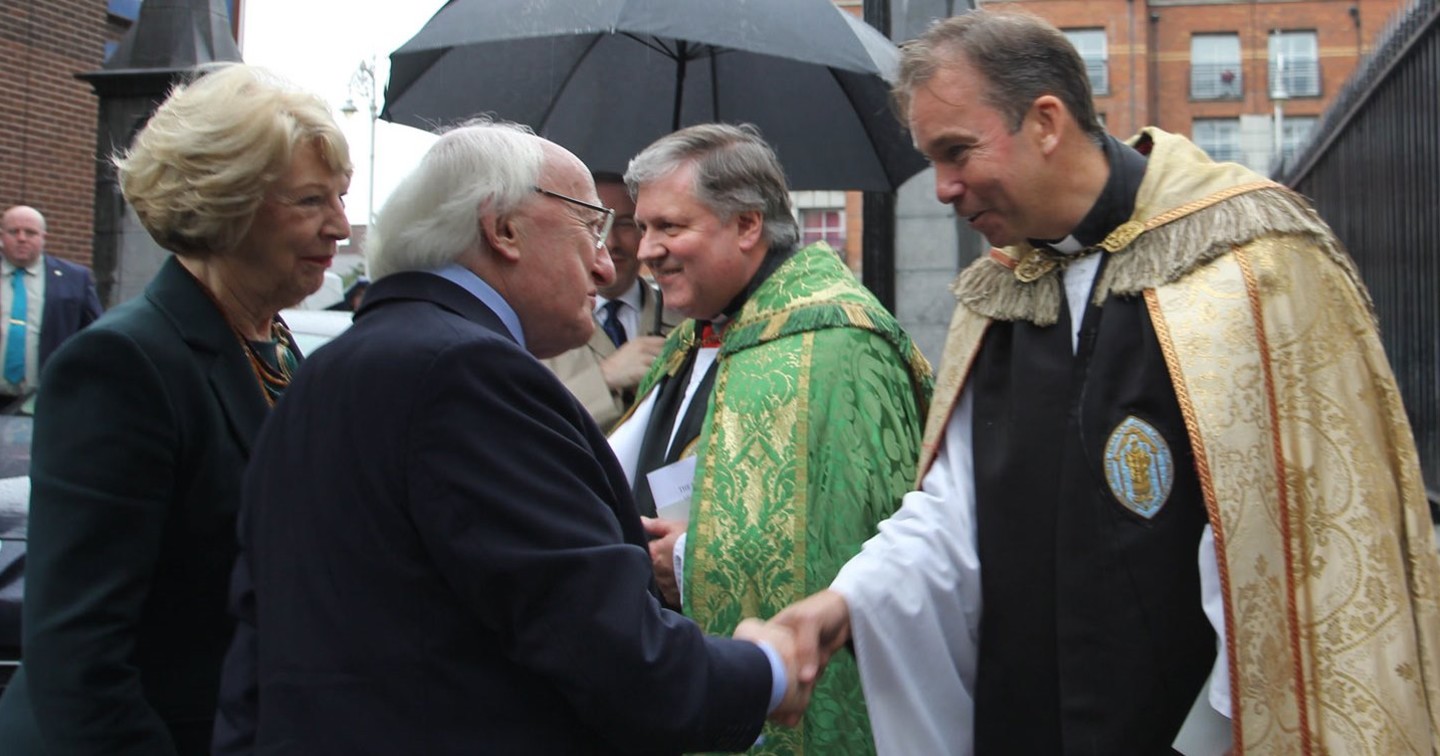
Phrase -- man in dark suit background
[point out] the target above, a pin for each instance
(44, 300)
(439, 551)
(604, 371)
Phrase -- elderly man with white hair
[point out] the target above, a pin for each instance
(440, 554)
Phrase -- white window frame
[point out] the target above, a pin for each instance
(1219, 138)
(1298, 52)
(1295, 131)
(824, 230)
(1216, 72)
(1094, 49)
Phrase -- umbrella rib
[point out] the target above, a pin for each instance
(579, 59)
(865, 129)
(714, 90)
(653, 43)
(658, 45)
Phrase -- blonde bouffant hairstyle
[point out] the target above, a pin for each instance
(198, 171)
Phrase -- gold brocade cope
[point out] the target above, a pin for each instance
(1326, 552)
(809, 441)
(1309, 469)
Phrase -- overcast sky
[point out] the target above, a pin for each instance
(319, 44)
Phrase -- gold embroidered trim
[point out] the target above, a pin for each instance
(948, 384)
(773, 328)
(1038, 264)
(1177, 213)
(858, 315)
(1252, 292)
(1207, 492)
(801, 502)
(1121, 237)
(1035, 267)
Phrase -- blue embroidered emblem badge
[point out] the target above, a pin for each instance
(1139, 466)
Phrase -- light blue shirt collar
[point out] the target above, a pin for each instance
(467, 280)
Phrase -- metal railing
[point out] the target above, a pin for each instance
(1371, 168)
(1222, 153)
(1301, 78)
(1098, 69)
(1216, 81)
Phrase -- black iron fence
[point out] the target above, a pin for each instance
(1372, 167)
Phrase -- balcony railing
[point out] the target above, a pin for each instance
(1216, 81)
(1098, 69)
(1222, 153)
(1301, 78)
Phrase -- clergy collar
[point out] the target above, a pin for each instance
(774, 258)
(1114, 206)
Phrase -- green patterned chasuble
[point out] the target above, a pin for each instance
(810, 439)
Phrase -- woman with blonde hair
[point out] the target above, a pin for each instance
(146, 419)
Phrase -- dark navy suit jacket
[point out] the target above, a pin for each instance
(70, 304)
(141, 434)
(439, 555)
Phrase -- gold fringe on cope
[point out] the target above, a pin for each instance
(1169, 248)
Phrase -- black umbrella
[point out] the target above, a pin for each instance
(604, 78)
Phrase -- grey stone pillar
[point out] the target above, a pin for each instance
(167, 42)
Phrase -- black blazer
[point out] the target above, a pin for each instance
(143, 426)
(444, 559)
(70, 304)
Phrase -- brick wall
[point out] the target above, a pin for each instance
(48, 117)
(1149, 43)
(1123, 106)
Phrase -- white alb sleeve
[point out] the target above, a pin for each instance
(914, 598)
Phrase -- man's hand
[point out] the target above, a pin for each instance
(662, 554)
(797, 693)
(624, 369)
(821, 624)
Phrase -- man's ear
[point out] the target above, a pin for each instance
(1048, 116)
(502, 234)
(751, 228)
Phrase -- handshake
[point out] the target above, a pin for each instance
(806, 634)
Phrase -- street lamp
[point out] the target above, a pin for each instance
(362, 84)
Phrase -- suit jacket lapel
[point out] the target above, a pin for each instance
(54, 287)
(600, 342)
(222, 359)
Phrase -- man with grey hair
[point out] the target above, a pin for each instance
(1164, 427)
(439, 552)
(44, 300)
(778, 423)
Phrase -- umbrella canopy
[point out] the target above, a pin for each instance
(605, 78)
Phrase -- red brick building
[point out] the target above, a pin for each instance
(1215, 70)
(47, 116)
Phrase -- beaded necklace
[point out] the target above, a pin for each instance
(272, 373)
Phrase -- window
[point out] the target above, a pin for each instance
(1090, 43)
(1294, 65)
(823, 224)
(1215, 71)
(126, 9)
(130, 9)
(1219, 137)
(1294, 133)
